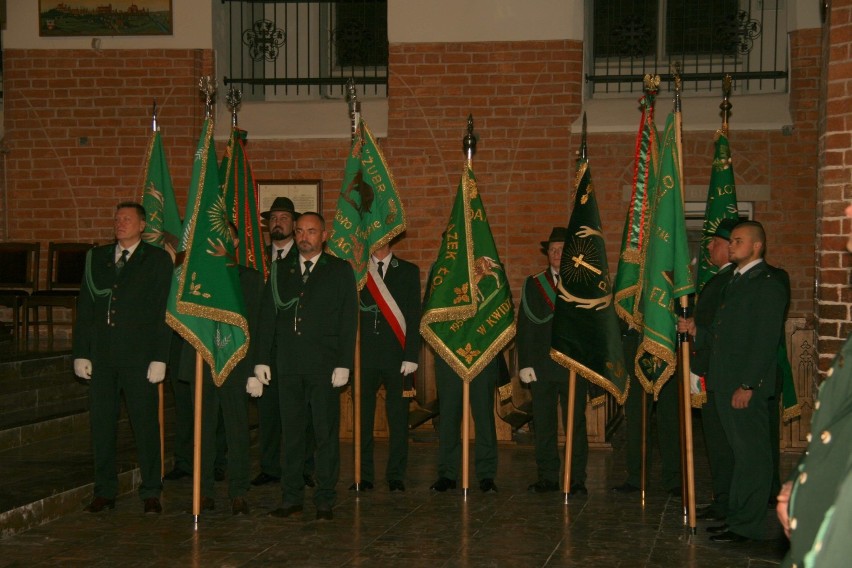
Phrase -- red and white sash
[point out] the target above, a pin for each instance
(385, 302)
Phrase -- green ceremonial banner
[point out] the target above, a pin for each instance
(645, 167)
(667, 275)
(469, 315)
(586, 337)
(369, 211)
(162, 228)
(241, 200)
(721, 204)
(206, 304)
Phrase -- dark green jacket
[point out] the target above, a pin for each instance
(121, 319)
(535, 324)
(402, 279)
(746, 331)
(314, 324)
(705, 313)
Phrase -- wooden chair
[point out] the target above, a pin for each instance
(18, 279)
(66, 264)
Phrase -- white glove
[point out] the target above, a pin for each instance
(254, 387)
(527, 375)
(407, 368)
(83, 368)
(156, 372)
(339, 377)
(262, 373)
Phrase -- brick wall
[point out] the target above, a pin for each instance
(523, 96)
(833, 261)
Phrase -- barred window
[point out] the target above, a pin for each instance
(744, 38)
(292, 50)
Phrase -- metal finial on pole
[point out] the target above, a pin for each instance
(725, 105)
(206, 86)
(678, 85)
(354, 106)
(154, 126)
(234, 99)
(584, 153)
(469, 140)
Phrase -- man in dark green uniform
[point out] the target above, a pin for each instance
(745, 334)
(548, 379)
(815, 504)
(390, 350)
(718, 450)
(280, 219)
(309, 314)
(121, 343)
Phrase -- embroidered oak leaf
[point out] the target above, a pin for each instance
(195, 287)
(462, 294)
(468, 353)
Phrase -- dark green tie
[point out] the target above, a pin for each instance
(121, 261)
(382, 269)
(307, 271)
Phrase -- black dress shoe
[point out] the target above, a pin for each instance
(487, 485)
(219, 474)
(625, 488)
(578, 489)
(443, 484)
(718, 529)
(543, 486)
(324, 515)
(309, 480)
(239, 506)
(208, 504)
(98, 504)
(288, 511)
(396, 485)
(364, 486)
(176, 474)
(263, 478)
(729, 536)
(152, 506)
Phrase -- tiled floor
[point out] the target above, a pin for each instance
(511, 528)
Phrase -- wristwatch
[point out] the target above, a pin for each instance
(746, 387)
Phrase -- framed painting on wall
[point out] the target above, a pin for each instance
(305, 193)
(98, 18)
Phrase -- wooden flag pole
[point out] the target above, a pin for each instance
(356, 399)
(569, 433)
(469, 149)
(355, 119)
(465, 434)
(686, 425)
(161, 416)
(196, 448)
(643, 474)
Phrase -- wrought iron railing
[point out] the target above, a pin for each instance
(307, 49)
(746, 39)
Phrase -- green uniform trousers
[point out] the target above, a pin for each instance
(396, 408)
(305, 398)
(269, 433)
(747, 430)
(719, 455)
(546, 394)
(142, 401)
(450, 396)
(665, 411)
(224, 408)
